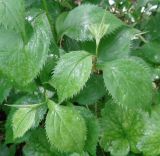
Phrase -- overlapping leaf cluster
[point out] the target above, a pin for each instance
(80, 78)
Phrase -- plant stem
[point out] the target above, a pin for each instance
(94, 60)
(25, 106)
(97, 46)
(48, 16)
(46, 8)
(143, 39)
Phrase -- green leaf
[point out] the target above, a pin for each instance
(71, 73)
(152, 27)
(65, 128)
(32, 3)
(98, 30)
(129, 82)
(53, 8)
(26, 118)
(150, 141)
(116, 46)
(37, 145)
(121, 129)
(5, 87)
(88, 15)
(7, 151)
(119, 147)
(92, 130)
(46, 73)
(74, 45)
(66, 3)
(9, 138)
(92, 92)
(59, 24)
(149, 52)
(24, 100)
(12, 14)
(79, 154)
(25, 60)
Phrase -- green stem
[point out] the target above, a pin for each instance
(97, 46)
(94, 60)
(46, 8)
(25, 106)
(143, 39)
(48, 16)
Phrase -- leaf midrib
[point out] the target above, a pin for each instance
(70, 133)
(65, 86)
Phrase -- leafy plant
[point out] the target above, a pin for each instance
(79, 78)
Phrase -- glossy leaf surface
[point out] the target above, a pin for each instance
(123, 79)
(25, 60)
(121, 129)
(71, 73)
(88, 15)
(68, 130)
